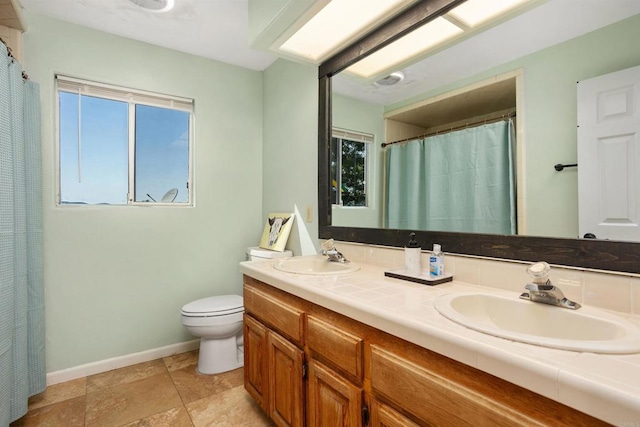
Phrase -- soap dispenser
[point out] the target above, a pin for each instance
(412, 256)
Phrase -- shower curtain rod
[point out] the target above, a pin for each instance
(466, 125)
(25, 76)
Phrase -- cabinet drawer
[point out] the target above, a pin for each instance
(384, 416)
(281, 316)
(335, 346)
(434, 399)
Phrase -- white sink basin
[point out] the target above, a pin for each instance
(320, 266)
(586, 329)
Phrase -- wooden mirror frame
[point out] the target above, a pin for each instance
(584, 253)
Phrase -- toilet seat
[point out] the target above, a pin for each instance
(221, 305)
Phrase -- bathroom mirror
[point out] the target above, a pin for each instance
(465, 66)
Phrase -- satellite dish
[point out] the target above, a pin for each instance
(170, 196)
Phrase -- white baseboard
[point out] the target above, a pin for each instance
(119, 362)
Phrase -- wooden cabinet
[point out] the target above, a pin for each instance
(280, 316)
(382, 415)
(435, 399)
(256, 369)
(349, 363)
(273, 373)
(332, 400)
(273, 356)
(286, 394)
(338, 348)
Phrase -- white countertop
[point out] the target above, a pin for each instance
(602, 385)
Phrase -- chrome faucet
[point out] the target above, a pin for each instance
(548, 294)
(542, 291)
(329, 250)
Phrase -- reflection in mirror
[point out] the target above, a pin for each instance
(519, 76)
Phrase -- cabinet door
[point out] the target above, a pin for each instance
(333, 401)
(383, 416)
(256, 369)
(286, 394)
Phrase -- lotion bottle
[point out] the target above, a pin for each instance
(412, 256)
(436, 262)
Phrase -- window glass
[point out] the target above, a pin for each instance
(162, 155)
(94, 169)
(348, 172)
(119, 146)
(353, 173)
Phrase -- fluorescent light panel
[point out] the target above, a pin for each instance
(418, 41)
(471, 13)
(476, 12)
(338, 22)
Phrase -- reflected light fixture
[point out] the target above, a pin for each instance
(336, 24)
(390, 80)
(418, 41)
(158, 6)
(476, 12)
(459, 22)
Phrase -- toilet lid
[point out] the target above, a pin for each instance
(217, 306)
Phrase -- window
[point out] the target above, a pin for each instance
(118, 146)
(349, 159)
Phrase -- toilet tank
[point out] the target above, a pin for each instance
(255, 253)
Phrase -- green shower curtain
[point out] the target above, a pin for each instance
(22, 363)
(459, 181)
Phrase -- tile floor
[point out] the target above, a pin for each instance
(163, 392)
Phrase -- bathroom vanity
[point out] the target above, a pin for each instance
(364, 349)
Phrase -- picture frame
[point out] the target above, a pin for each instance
(276, 231)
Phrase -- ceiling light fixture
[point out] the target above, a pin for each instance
(390, 80)
(337, 23)
(157, 6)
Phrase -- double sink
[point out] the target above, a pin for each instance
(587, 329)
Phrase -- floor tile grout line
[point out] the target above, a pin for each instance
(86, 389)
(184, 405)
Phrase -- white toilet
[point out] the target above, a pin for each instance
(218, 322)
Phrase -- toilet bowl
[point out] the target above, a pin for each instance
(218, 322)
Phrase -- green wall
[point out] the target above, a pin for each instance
(290, 149)
(116, 277)
(550, 77)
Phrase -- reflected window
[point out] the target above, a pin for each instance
(122, 147)
(349, 160)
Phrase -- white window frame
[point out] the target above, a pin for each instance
(355, 136)
(132, 97)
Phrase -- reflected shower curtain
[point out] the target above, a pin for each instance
(460, 181)
(22, 364)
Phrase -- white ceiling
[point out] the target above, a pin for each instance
(218, 29)
(215, 29)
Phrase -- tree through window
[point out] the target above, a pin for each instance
(349, 159)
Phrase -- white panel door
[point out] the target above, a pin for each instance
(609, 155)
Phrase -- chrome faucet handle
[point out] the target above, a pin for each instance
(548, 294)
(334, 255)
(546, 287)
